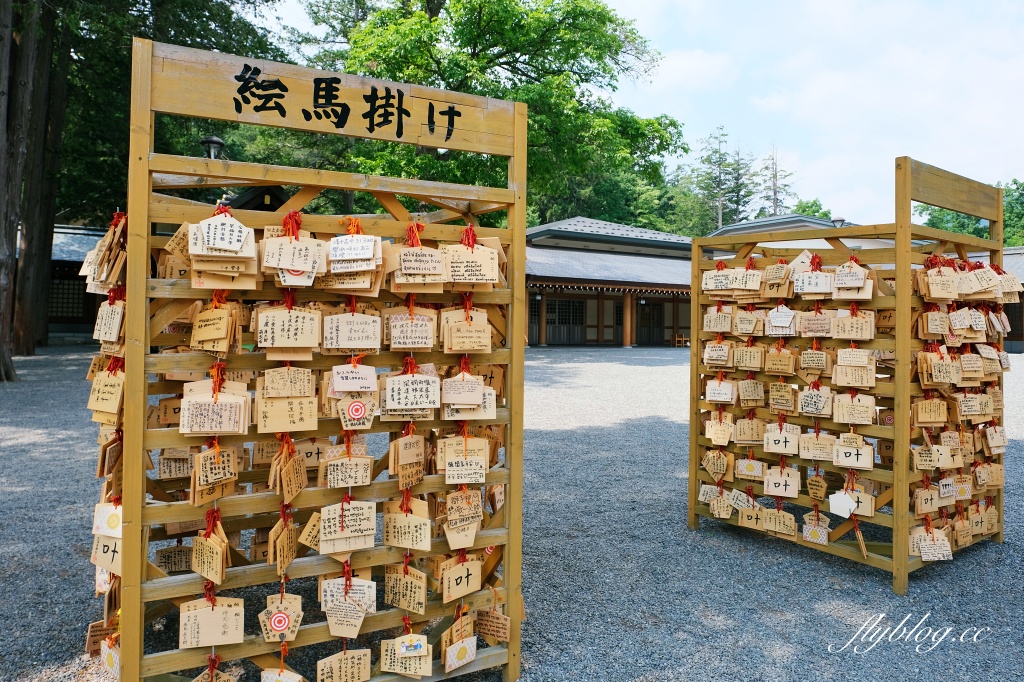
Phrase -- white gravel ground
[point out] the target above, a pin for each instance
(617, 587)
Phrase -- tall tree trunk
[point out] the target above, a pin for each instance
(51, 174)
(16, 69)
(36, 236)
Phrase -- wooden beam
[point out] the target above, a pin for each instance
(286, 175)
(392, 205)
(300, 199)
(937, 187)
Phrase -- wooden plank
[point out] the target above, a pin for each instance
(696, 322)
(923, 232)
(327, 427)
(801, 500)
(172, 181)
(904, 335)
(257, 574)
(876, 560)
(937, 187)
(287, 175)
(310, 498)
(883, 286)
(377, 224)
(869, 430)
(204, 84)
(514, 385)
(167, 314)
(164, 362)
(392, 205)
(136, 342)
(300, 199)
(828, 257)
(181, 288)
(183, 659)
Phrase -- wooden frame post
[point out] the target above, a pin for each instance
(697, 252)
(514, 444)
(904, 369)
(134, 540)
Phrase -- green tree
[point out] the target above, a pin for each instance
(774, 190)
(71, 105)
(552, 54)
(813, 208)
(951, 221)
(1013, 213)
(741, 187)
(718, 189)
(93, 167)
(691, 214)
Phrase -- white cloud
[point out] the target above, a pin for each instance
(691, 70)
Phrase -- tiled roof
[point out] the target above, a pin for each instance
(600, 230)
(573, 264)
(72, 247)
(786, 221)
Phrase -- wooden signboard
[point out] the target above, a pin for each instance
(892, 409)
(157, 333)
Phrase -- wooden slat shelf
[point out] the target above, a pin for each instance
(160, 363)
(183, 659)
(256, 503)
(303, 567)
(491, 126)
(894, 259)
(328, 426)
(181, 288)
(802, 500)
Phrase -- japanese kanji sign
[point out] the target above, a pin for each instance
(213, 85)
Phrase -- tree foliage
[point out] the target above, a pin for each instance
(813, 208)
(94, 167)
(554, 55)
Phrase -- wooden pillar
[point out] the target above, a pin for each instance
(634, 317)
(600, 316)
(134, 536)
(675, 317)
(513, 559)
(695, 390)
(627, 319)
(542, 323)
(901, 454)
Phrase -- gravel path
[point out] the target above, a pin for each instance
(617, 587)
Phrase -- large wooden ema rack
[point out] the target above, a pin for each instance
(846, 393)
(159, 313)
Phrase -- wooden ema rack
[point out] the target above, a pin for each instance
(908, 247)
(180, 81)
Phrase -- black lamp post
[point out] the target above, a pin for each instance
(213, 146)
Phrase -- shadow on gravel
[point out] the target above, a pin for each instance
(608, 554)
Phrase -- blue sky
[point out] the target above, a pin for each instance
(841, 88)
